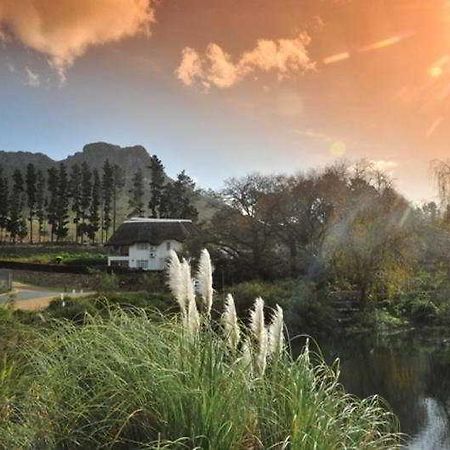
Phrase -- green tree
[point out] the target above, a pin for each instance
(119, 184)
(94, 216)
(157, 183)
(136, 195)
(62, 209)
(40, 203)
(4, 204)
(107, 197)
(17, 227)
(31, 191)
(86, 198)
(76, 197)
(52, 204)
(177, 199)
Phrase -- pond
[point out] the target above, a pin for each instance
(411, 372)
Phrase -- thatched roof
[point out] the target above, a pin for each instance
(153, 231)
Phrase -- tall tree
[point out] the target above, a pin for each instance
(86, 197)
(119, 183)
(40, 203)
(177, 199)
(156, 186)
(136, 195)
(52, 204)
(62, 210)
(107, 197)
(4, 204)
(76, 197)
(94, 209)
(31, 190)
(17, 225)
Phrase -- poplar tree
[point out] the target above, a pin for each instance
(156, 186)
(177, 199)
(62, 203)
(75, 184)
(52, 205)
(40, 203)
(4, 209)
(30, 181)
(16, 225)
(86, 193)
(119, 183)
(107, 197)
(94, 217)
(136, 195)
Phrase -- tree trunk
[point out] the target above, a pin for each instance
(31, 230)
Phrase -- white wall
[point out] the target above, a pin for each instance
(160, 254)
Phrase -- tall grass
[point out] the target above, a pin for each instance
(127, 381)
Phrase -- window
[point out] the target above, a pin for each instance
(168, 245)
(142, 264)
(142, 245)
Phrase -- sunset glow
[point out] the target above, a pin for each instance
(202, 83)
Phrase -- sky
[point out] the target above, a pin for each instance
(223, 88)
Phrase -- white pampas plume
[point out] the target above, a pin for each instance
(246, 355)
(193, 318)
(176, 281)
(230, 323)
(205, 280)
(276, 336)
(259, 331)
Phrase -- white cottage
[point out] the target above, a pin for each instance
(141, 243)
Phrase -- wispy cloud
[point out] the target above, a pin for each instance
(384, 165)
(63, 30)
(215, 67)
(32, 79)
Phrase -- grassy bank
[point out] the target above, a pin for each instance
(130, 381)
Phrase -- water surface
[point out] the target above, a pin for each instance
(411, 372)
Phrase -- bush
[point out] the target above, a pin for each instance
(309, 311)
(128, 382)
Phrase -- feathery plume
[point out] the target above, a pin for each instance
(246, 355)
(205, 280)
(176, 281)
(259, 331)
(230, 323)
(193, 318)
(276, 336)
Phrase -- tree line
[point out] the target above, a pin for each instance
(344, 225)
(44, 205)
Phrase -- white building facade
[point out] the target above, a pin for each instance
(145, 244)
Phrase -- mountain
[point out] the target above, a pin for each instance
(129, 159)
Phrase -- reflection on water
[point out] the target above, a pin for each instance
(412, 374)
(435, 433)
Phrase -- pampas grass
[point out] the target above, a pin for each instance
(193, 317)
(231, 324)
(176, 281)
(132, 380)
(276, 335)
(128, 381)
(260, 336)
(205, 280)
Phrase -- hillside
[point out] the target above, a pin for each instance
(95, 154)
(129, 159)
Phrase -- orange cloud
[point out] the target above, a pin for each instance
(216, 68)
(64, 29)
